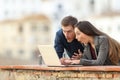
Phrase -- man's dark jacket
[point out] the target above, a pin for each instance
(61, 44)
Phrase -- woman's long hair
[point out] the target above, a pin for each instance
(114, 47)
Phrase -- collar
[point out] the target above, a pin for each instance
(96, 40)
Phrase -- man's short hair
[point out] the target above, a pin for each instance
(69, 20)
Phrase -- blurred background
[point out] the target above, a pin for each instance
(24, 24)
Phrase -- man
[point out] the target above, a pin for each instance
(65, 40)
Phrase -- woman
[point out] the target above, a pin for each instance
(100, 49)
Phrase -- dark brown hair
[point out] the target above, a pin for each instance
(114, 47)
(69, 20)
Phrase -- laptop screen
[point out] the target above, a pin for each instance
(49, 55)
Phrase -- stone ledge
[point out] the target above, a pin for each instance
(35, 72)
(81, 68)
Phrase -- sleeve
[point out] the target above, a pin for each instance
(102, 54)
(58, 45)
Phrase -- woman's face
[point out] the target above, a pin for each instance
(81, 37)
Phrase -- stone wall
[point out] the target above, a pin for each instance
(57, 74)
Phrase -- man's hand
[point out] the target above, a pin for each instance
(65, 61)
(77, 55)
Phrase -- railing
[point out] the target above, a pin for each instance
(37, 72)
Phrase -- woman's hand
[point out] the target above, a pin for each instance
(75, 62)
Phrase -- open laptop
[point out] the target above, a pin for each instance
(50, 56)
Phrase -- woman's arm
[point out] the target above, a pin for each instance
(102, 54)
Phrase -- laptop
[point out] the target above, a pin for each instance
(50, 56)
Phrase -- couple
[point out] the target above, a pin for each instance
(85, 44)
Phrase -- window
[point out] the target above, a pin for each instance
(20, 29)
(21, 51)
(33, 27)
(8, 52)
(92, 2)
(45, 28)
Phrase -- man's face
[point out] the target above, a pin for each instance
(68, 31)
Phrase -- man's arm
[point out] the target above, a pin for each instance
(58, 45)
